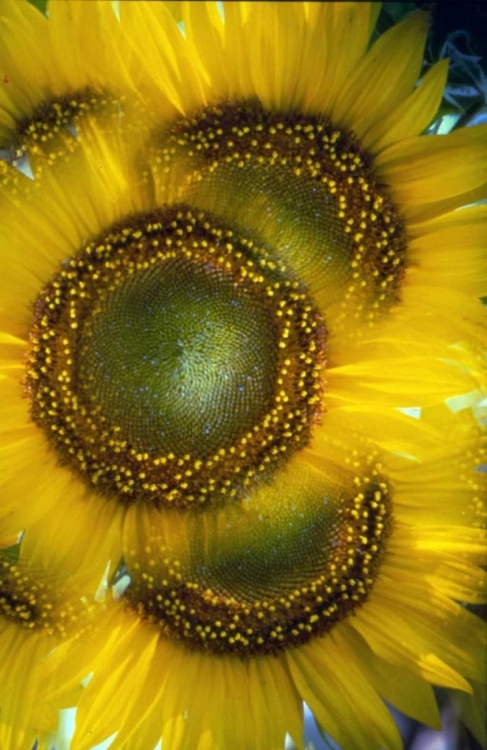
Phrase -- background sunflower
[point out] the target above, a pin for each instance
(456, 32)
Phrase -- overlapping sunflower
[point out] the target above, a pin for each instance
(242, 377)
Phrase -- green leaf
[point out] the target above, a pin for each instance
(40, 4)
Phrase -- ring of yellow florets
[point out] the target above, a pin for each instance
(203, 617)
(33, 604)
(310, 151)
(101, 451)
(39, 134)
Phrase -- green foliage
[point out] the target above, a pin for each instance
(456, 35)
(390, 14)
(41, 4)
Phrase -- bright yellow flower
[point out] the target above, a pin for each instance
(55, 72)
(41, 609)
(211, 326)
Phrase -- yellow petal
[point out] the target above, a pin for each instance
(411, 116)
(340, 697)
(384, 78)
(425, 170)
(411, 695)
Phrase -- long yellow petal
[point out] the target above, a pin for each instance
(385, 76)
(411, 116)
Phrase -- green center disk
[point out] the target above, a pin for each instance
(181, 358)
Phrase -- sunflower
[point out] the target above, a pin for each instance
(41, 609)
(212, 326)
(57, 72)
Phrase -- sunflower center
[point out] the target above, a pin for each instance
(157, 355)
(308, 188)
(38, 135)
(174, 361)
(260, 578)
(32, 604)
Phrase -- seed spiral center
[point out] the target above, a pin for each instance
(166, 337)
